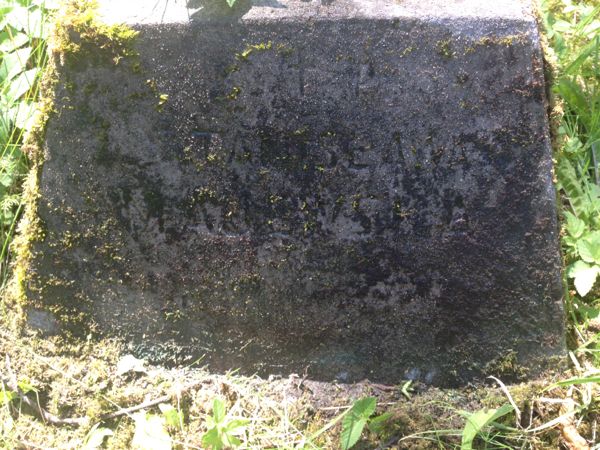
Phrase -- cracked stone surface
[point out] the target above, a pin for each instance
(356, 189)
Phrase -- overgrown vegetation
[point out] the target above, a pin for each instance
(574, 31)
(86, 396)
(24, 29)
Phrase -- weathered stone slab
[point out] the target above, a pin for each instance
(362, 189)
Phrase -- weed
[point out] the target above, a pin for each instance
(222, 431)
(359, 416)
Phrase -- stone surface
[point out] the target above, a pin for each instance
(352, 189)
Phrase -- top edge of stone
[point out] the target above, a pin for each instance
(155, 12)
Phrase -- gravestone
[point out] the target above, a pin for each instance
(351, 189)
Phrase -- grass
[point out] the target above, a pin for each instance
(86, 382)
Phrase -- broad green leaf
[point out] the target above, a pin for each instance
(584, 281)
(236, 426)
(29, 20)
(352, 428)
(95, 437)
(212, 439)
(584, 275)
(479, 420)
(25, 386)
(23, 115)
(562, 26)
(18, 17)
(14, 63)
(589, 247)
(20, 85)
(218, 411)
(231, 441)
(150, 433)
(365, 407)
(568, 241)
(5, 8)
(12, 41)
(577, 267)
(36, 26)
(356, 419)
(575, 226)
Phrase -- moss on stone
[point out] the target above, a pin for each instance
(489, 41)
(80, 38)
(30, 228)
(260, 47)
(77, 38)
(444, 48)
(506, 366)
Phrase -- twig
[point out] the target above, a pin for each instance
(572, 439)
(150, 403)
